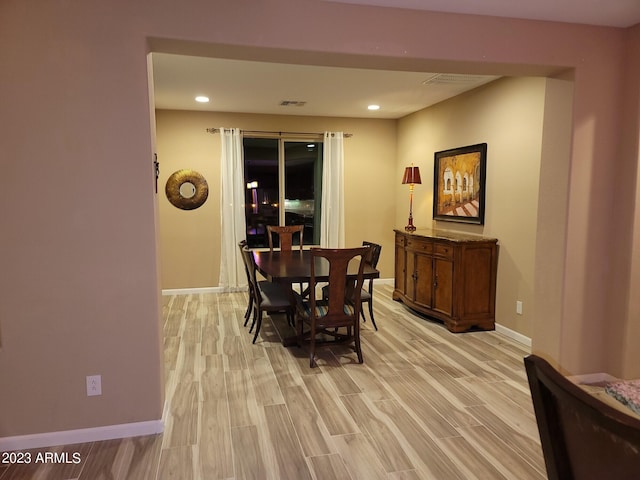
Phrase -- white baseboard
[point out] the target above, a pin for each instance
(195, 291)
(84, 435)
(512, 334)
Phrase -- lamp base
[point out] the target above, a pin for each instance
(410, 227)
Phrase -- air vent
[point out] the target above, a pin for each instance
(292, 103)
(456, 79)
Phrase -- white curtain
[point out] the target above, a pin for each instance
(332, 216)
(233, 224)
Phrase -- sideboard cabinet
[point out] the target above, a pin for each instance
(447, 276)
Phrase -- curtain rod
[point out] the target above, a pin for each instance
(263, 132)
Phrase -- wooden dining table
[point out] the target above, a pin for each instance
(294, 266)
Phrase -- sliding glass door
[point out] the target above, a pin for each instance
(284, 186)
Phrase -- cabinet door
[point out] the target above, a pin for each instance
(423, 279)
(443, 286)
(478, 287)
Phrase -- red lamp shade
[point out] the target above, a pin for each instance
(411, 175)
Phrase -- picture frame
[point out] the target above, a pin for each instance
(459, 184)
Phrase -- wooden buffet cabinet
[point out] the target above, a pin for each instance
(448, 276)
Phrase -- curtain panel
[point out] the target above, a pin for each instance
(332, 216)
(233, 225)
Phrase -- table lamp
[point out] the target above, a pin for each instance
(411, 177)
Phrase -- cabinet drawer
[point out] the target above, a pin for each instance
(444, 250)
(401, 240)
(419, 245)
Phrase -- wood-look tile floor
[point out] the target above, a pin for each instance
(426, 404)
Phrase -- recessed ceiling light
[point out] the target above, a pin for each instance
(202, 99)
(374, 107)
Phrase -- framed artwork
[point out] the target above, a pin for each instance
(459, 184)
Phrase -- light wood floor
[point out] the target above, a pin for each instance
(426, 404)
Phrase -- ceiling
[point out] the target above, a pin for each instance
(612, 13)
(262, 87)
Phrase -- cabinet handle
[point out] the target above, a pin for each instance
(435, 282)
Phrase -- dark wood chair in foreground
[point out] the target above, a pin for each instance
(285, 235)
(267, 297)
(338, 316)
(582, 437)
(366, 296)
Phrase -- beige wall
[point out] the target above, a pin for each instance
(624, 299)
(508, 115)
(190, 240)
(551, 227)
(80, 283)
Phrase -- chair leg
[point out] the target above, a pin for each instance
(373, 320)
(312, 345)
(312, 350)
(247, 314)
(255, 318)
(357, 342)
(255, 336)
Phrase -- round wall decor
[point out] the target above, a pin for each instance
(187, 189)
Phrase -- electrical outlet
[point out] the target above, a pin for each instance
(519, 307)
(94, 385)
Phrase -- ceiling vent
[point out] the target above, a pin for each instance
(292, 103)
(456, 79)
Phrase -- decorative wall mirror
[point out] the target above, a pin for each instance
(187, 189)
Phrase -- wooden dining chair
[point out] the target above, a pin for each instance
(339, 315)
(366, 296)
(242, 245)
(285, 235)
(582, 437)
(267, 296)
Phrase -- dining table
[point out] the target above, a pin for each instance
(294, 266)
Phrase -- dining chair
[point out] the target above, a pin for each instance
(366, 296)
(267, 296)
(285, 235)
(341, 310)
(582, 437)
(242, 245)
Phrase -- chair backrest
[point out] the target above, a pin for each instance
(342, 288)
(250, 266)
(242, 245)
(285, 235)
(374, 254)
(581, 436)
